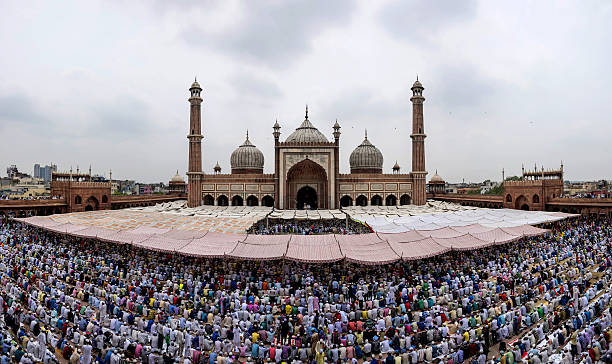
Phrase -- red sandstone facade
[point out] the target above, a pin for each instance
(538, 190)
(534, 191)
(306, 169)
(80, 193)
(194, 174)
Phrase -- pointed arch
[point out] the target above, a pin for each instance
(267, 201)
(361, 200)
(208, 200)
(391, 200)
(405, 199)
(252, 200)
(222, 200)
(237, 201)
(346, 201)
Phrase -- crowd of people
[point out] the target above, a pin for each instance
(541, 299)
(309, 227)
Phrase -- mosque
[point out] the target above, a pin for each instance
(306, 169)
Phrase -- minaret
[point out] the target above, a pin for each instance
(336, 198)
(418, 145)
(194, 175)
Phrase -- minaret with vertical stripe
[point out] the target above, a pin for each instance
(418, 145)
(194, 173)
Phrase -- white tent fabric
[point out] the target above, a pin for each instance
(497, 236)
(418, 249)
(444, 233)
(472, 228)
(107, 235)
(405, 237)
(162, 244)
(128, 237)
(212, 245)
(67, 228)
(184, 234)
(366, 249)
(89, 232)
(261, 247)
(463, 242)
(400, 232)
(415, 218)
(390, 228)
(314, 249)
(527, 230)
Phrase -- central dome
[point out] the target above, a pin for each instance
(247, 158)
(366, 158)
(306, 133)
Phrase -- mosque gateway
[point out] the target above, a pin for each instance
(306, 169)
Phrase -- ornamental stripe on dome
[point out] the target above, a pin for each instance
(247, 156)
(306, 133)
(366, 156)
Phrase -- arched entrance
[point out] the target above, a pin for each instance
(405, 200)
(91, 204)
(267, 201)
(222, 201)
(252, 201)
(209, 200)
(361, 200)
(306, 198)
(306, 174)
(237, 201)
(391, 200)
(521, 203)
(346, 201)
(376, 200)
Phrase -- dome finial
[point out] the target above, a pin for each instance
(417, 76)
(306, 111)
(247, 134)
(366, 134)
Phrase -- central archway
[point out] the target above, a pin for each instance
(306, 174)
(521, 203)
(91, 204)
(307, 198)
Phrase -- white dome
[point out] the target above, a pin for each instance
(177, 178)
(248, 157)
(306, 133)
(366, 158)
(436, 178)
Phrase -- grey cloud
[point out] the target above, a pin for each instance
(422, 20)
(249, 85)
(125, 117)
(364, 107)
(20, 108)
(462, 87)
(277, 33)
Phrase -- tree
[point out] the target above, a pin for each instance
(514, 178)
(497, 190)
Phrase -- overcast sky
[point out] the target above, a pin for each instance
(106, 83)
